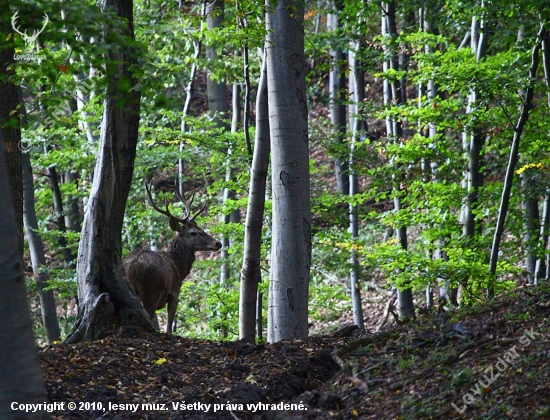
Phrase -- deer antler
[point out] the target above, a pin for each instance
(186, 204)
(200, 210)
(167, 211)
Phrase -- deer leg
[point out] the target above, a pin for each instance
(172, 306)
(175, 323)
(155, 322)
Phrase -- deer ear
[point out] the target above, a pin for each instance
(175, 225)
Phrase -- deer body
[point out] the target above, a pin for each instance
(157, 276)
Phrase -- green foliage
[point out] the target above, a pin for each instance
(424, 168)
(328, 301)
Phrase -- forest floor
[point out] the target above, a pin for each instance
(490, 361)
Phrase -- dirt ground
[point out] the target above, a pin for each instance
(491, 361)
(166, 370)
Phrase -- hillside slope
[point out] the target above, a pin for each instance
(491, 361)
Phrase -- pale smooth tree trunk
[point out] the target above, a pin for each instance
(20, 376)
(423, 90)
(473, 142)
(83, 92)
(106, 300)
(250, 272)
(445, 291)
(48, 306)
(541, 266)
(216, 90)
(187, 105)
(337, 86)
(542, 263)
(53, 179)
(38, 258)
(531, 222)
(357, 89)
(288, 117)
(84, 87)
(218, 105)
(394, 93)
(526, 105)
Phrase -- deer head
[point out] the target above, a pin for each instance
(189, 234)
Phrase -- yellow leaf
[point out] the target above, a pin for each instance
(160, 361)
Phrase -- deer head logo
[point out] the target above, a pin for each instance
(29, 39)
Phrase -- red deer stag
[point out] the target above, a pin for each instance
(156, 276)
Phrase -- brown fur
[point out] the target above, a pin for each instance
(156, 276)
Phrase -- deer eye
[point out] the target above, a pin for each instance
(193, 233)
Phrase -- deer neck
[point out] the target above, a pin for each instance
(183, 257)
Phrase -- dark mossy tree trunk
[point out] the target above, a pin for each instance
(20, 376)
(10, 130)
(53, 178)
(73, 220)
(106, 300)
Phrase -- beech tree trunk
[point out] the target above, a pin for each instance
(53, 178)
(48, 306)
(218, 104)
(542, 264)
(20, 375)
(187, 104)
(445, 291)
(106, 300)
(38, 259)
(526, 105)
(394, 92)
(72, 209)
(337, 86)
(288, 117)
(359, 131)
(531, 223)
(250, 271)
(541, 267)
(473, 142)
